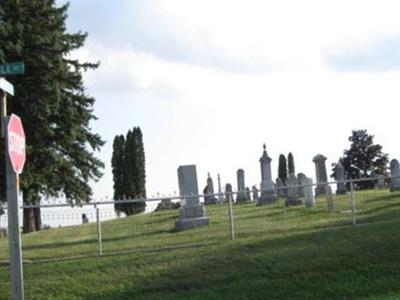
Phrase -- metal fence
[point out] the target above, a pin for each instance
(95, 229)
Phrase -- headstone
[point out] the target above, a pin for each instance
(329, 197)
(380, 184)
(192, 212)
(255, 193)
(220, 196)
(280, 188)
(208, 192)
(320, 171)
(308, 193)
(3, 232)
(301, 181)
(268, 191)
(241, 190)
(340, 178)
(85, 219)
(395, 174)
(248, 194)
(292, 191)
(228, 192)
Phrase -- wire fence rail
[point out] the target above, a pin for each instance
(93, 229)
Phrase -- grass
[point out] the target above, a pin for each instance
(298, 254)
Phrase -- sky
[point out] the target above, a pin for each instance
(209, 82)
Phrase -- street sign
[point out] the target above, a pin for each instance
(12, 68)
(6, 86)
(16, 143)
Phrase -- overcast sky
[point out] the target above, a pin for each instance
(209, 82)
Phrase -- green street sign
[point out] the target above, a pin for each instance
(6, 86)
(12, 68)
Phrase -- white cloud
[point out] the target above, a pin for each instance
(219, 119)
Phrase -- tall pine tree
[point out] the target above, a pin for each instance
(117, 164)
(282, 168)
(52, 103)
(291, 168)
(132, 172)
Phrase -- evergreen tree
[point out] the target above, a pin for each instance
(141, 164)
(132, 171)
(117, 163)
(52, 103)
(282, 168)
(291, 168)
(364, 159)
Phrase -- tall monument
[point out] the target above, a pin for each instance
(220, 195)
(209, 197)
(192, 212)
(320, 172)
(268, 192)
(241, 190)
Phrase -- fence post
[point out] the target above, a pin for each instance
(353, 205)
(231, 227)
(98, 229)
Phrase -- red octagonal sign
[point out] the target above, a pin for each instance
(16, 143)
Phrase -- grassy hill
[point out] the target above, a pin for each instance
(297, 253)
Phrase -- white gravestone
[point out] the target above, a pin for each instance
(192, 212)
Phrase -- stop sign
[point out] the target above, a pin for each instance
(16, 143)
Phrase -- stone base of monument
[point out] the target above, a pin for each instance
(293, 202)
(341, 192)
(320, 190)
(184, 224)
(210, 200)
(268, 197)
(242, 199)
(191, 217)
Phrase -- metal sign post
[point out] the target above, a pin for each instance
(14, 145)
(14, 237)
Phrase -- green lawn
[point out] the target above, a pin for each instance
(299, 253)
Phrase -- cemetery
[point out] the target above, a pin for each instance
(105, 103)
(287, 232)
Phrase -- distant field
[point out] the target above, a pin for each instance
(297, 253)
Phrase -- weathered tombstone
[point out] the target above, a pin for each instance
(320, 171)
(292, 191)
(255, 193)
(395, 174)
(3, 232)
(329, 197)
(268, 191)
(85, 219)
(228, 192)
(241, 191)
(340, 178)
(220, 196)
(380, 184)
(208, 192)
(192, 212)
(248, 194)
(308, 193)
(301, 181)
(280, 188)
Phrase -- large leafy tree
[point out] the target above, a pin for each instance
(129, 171)
(364, 159)
(282, 168)
(52, 102)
